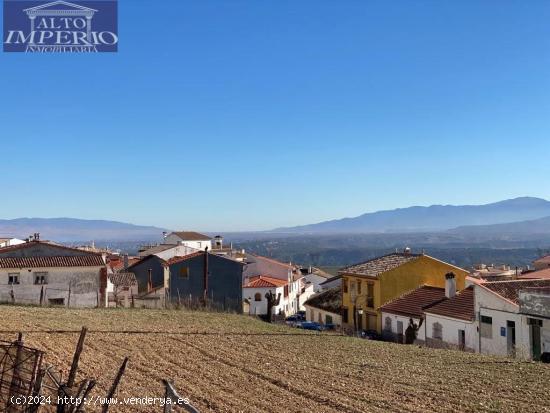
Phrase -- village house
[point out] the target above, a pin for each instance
(397, 314)
(39, 272)
(189, 239)
(122, 289)
(504, 327)
(534, 304)
(369, 285)
(451, 323)
(325, 307)
(186, 280)
(254, 295)
(167, 251)
(9, 242)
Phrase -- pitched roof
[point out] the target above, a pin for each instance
(264, 281)
(536, 275)
(191, 236)
(510, 289)
(32, 244)
(412, 304)
(332, 279)
(175, 260)
(123, 279)
(49, 262)
(543, 260)
(379, 265)
(156, 249)
(460, 306)
(329, 300)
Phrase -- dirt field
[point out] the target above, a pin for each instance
(230, 363)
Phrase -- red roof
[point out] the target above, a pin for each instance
(510, 289)
(536, 275)
(264, 281)
(543, 260)
(412, 304)
(460, 306)
(48, 262)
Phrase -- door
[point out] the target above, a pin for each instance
(400, 332)
(461, 339)
(511, 338)
(535, 341)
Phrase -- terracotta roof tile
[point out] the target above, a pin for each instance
(264, 281)
(412, 304)
(191, 236)
(536, 275)
(510, 289)
(379, 265)
(48, 262)
(123, 279)
(329, 300)
(460, 306)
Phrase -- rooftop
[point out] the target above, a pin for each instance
(379, 265)
(329, 300)
(191, 236)
(510, 289)
(264, 281)
(156, 249)
(123, 279)
(460, 306)
(536, 275)
(50, 262)
(413, 304)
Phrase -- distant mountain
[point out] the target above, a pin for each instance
(432, 218)
(70, 230)
(533, 227)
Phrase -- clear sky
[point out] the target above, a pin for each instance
(254, 114)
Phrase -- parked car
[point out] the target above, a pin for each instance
(370, 335)
(311, 325)
(294, 320)
(330, 327)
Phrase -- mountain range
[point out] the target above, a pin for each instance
(437, 218)
(520, 217)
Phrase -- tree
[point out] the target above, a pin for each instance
(411, 333)
(272, 301)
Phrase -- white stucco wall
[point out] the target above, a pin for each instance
(83, 281)
(260, 307)
(177, 251)
(405, 320)
(200, 245)
(11, 242)
(313, 314)
(450, 332)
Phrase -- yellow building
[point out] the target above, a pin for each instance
(369, 285)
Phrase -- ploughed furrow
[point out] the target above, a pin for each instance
(290, 388)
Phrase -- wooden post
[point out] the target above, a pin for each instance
(41, 296)
(15, 386)
(113, 388)
(76, 358)
(69, 298)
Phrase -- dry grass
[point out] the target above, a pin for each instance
(230, 363)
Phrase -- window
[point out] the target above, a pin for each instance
(387, 324)
(184, 272)
(56, 301)
(320, 319)
(328, 319)
(358, 287)
(352, 287)
(258, 297)
(13, 278)
(40, 278)
(345, 286)
(437, 331)
(486, 327)
(370, 295)
(286, 291)
(344, 315)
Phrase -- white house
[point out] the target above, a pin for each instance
(8, 242)
(167, 251)
(504, 329)
(451, 322)
(257, 287)
(38, 272)
(397, 314)
(190, 239)
(325, 307)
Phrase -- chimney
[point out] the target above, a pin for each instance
(450, 285)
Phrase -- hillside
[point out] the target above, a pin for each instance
(71, 229)
(231, 363)
(432, 218)
(524, 228)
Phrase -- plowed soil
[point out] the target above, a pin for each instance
(231, 363)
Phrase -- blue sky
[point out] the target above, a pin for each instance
(243, 115)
